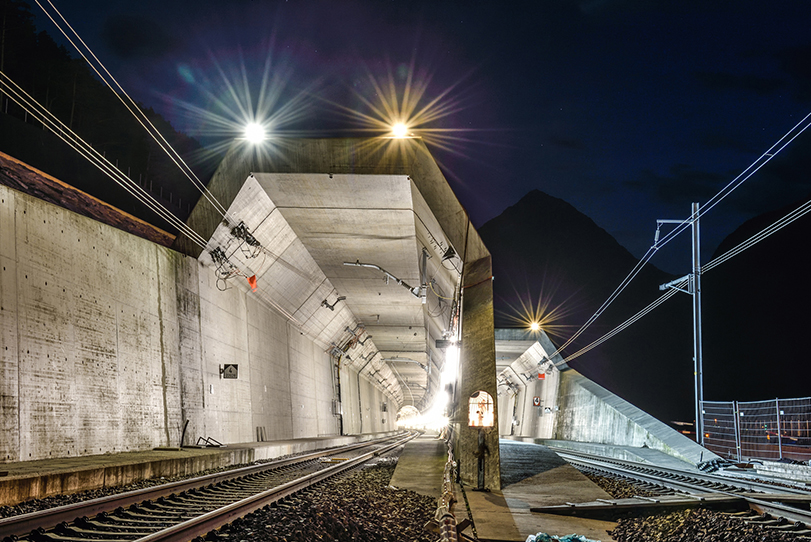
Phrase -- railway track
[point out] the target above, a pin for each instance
(183, 510)
(784, 507)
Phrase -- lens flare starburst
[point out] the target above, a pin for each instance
(397, 108)
(540, 315)
(237, 104)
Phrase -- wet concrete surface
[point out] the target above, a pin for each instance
(533, 475)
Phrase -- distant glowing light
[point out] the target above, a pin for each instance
(399, 130)
(542, 316)
(254, 132)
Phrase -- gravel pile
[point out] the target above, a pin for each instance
(359, 507)
(694, 525)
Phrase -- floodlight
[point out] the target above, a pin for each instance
(535, 326)
(399, 130)
(254, 132)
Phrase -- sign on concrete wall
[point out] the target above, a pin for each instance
(230, 370)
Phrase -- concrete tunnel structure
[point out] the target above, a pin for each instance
(110, 342)
(113, 343)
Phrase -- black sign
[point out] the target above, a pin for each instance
(230, 370)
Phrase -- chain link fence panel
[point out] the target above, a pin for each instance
(771, 430)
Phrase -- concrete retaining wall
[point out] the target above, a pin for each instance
(590, 413)
(109, 343)
(575, 412)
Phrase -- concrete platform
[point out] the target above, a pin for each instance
(532, 475)
(28, 480)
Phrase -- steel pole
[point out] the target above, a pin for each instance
(779, 436)
(736, 421)
(697, 365)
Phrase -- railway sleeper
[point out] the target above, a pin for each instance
(40, 535)
(798, 527)
(63, 529)
(90, 525)
(115, 519)
(216, 500)
(140, 516)
(149, 515)
(172, 508)
(139, 524)
(763, 520)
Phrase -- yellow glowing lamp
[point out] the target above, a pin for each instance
(399, 130)
(535, 326)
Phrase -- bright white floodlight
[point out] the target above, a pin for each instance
(399, 130)
(254, 132)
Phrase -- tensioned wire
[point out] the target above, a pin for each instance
(667, 295)
(776, 226)
(133, 108)
(36, 110)
(762, 160)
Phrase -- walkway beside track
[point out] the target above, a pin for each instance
(38, 479)
(532, 475)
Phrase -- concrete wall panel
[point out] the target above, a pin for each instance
(9, 382)
(349, 400)
(111, 343)
(303, 366)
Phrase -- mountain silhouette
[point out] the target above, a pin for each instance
(756, 313)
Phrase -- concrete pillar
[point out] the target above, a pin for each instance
(477, 372)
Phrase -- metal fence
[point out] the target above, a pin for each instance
(773, 430)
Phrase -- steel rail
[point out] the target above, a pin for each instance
(46, 519)
(681, 486)
(182, 532)
(734, 481)
(761, 503)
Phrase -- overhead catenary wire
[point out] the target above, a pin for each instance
(753, 168)
(144, 121)
(40, 113)
(624, 284)
(776, 226)
(134, 109)
(627, 323)
(37, 111)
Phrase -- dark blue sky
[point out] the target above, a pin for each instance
(627, 110)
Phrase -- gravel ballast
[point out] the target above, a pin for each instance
(358, 507)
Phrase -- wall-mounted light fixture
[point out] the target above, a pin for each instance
(326, 304)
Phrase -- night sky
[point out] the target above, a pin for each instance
(628, 110)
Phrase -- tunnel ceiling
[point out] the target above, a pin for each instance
(307, 227)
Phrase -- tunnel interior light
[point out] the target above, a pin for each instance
(535, 326)
(254, 132)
